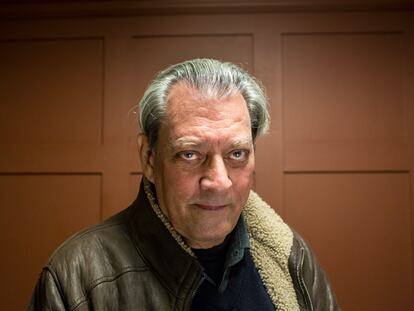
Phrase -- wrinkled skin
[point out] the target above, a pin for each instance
(202, 165)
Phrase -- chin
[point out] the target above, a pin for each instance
(214, 239)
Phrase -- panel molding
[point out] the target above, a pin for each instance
(40, 9)
(326, 135)
(350, 218)
(39, 211)
(33, 67)
(315, 172)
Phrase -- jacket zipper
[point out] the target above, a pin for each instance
(301, 281)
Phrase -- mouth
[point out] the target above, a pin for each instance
(210, 207)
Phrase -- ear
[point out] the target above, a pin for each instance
(146, 155)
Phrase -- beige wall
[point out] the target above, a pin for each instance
(337, 164)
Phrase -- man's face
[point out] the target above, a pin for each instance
(203, 164)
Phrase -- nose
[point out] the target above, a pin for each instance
(215, 177)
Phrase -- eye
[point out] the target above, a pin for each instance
(188, 155)
(239, 155)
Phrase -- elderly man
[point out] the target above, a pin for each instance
(197, 237)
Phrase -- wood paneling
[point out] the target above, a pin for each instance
(38, 212)
(347, 162)
(51, 84)
(409, 108)
(343, 102)
(337, 163)
(51, 133)
(359, 225)
(134, 182)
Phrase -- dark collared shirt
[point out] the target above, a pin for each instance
(218, 260)
(231, 281)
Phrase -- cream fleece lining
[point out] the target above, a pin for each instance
(270, 239)
(271, 242)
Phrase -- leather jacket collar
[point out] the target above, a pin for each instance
(153, 240)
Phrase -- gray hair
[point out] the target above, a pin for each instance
(213, 79)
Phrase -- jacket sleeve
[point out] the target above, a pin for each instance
(47, 293)
(311, 284)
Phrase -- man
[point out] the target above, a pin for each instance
(197, 237)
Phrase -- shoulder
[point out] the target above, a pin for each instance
(96, 262)
(99, 253)
(312, 285)
(108, 238)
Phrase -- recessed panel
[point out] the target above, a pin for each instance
(359, 226)
(152, 54)
(51, 91)
(38, 213)
(343, 101)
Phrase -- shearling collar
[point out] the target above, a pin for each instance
(271, 243)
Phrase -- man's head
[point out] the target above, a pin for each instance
(199, 120)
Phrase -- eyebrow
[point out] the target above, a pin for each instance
(242, 141)
(193, 142)
(186, 141)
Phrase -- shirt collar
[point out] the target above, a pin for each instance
(238, 245)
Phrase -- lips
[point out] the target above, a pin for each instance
(210, 207)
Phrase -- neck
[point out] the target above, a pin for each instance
(204, 244)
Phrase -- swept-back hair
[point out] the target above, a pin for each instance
(213, 79)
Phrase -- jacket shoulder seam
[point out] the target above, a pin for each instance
(101, 280)
(81, 235)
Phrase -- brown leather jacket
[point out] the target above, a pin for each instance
(132, 262)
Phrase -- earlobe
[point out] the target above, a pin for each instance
(146, 155)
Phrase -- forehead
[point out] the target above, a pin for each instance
(188, 108)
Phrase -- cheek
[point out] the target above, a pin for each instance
(243, 180)
(245, 174)
(180, 184)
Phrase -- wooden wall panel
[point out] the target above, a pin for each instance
(38, 212)
(341, 105)
(51, 84)
(347, 163)
(409, 108)
(359, 225)
(52, 104)
(134, 182)
(51, 136)
(343, 102)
